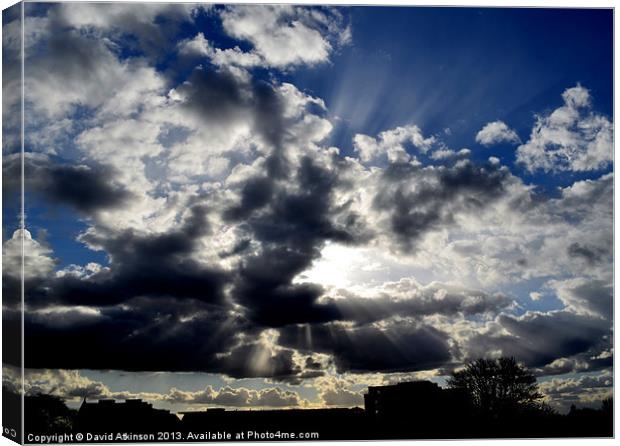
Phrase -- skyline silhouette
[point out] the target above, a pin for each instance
(418, 409)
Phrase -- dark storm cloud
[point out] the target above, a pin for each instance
(219, 97)
(303, 218)
(312, 364)
(86, 189)
(216, 95)
(575, 386)
(592, 255)
(434, 300)
(291, 230)
(264, 288)
(286, 232)
(256, 192)
(11, 290)
(144, 265)
(590, 361)
(294, 221)
(83, 188)
(240, 247)
(146, 334)
(398, 347)
(142, 334)
(538, 339)
(269, 120)
(565, 392)
(11, 327)
(255, 361)
(589, 296)
(439, 194)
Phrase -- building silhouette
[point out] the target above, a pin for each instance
(419, 398)
(408, 410)
(131, 415)
(418, 409)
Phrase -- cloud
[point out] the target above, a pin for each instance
(571, 138)
(37, 261)
(71, 385)
(414, 201)
(579, 363)
(392, 144)
(237, 397)
(140, 335)
(85, 189)
(145, 265)
(210, 186)
(148, 27)
(535, 296)
(199, 46)
(585, 390)
(280, 243)
(538, 339)
(259, 359)
(284, 36)
(585, 296)
(38, 264)
(448, 154)
(64, 57)
(67, 384)
(292, 224)
(12, 32)
(398, 346)
(336, 392)
(523, 234)
(408, 298)
(496, 132)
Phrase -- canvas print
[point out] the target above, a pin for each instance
(306, 222)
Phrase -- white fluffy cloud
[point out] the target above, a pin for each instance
(571, 138)
(72, 386)
(392, 144)
(339, 392)
(199, 46)
(582, 390)
(38, 260)
(237, 397)
(283, 35)
(496, 132)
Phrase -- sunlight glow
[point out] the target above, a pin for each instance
(340, 266)
(358, 269)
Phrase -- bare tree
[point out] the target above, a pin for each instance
(497, 386)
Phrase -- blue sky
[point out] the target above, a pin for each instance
(475, 66)
(342, 196)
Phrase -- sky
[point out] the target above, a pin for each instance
(277, 206)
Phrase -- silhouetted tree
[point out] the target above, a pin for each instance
(47, 414)
(607, 405)
(498, 386)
